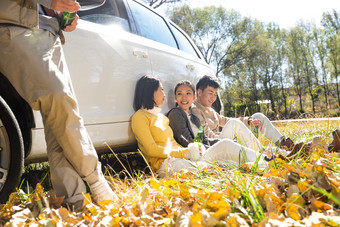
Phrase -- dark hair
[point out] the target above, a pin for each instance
(206, 81)
(145, 88)
(186, 83)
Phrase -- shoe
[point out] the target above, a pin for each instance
(334, 146)
(302, 149)
(267, 159)
(76, 206)
(102, 191)
(287, 144)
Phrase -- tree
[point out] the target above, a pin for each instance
(278, 38)
(224, 37)
(319, 37)
(331, 21)
(157, 3)
(295, 62)
(309, 65)
(333, 45)
(270, 63)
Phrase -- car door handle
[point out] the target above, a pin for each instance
(190, 67)
(140, 53)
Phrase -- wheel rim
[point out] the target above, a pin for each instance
(4, 155)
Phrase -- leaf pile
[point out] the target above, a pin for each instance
(302, 192)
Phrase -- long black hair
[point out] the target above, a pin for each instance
(145, 88)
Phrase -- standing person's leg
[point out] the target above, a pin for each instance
(226, 149)
(236, 128)
(72, 186)
(34, 63)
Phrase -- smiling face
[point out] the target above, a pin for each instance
(159, 95)
(184, 97)
(207, 97)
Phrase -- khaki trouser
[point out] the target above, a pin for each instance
(33, 61)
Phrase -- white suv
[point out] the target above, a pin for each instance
(112, 47)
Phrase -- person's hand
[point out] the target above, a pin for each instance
(65, 5)
(254, 122)
(202, 149)
(73, 25)
(194, 153)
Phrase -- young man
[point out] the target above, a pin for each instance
(32, 59)
(207, 90)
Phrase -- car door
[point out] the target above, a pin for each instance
(167, 60)
(105, 60)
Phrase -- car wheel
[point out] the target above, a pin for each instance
(11, 152)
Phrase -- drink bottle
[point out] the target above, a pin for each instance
(256, 131)
(199, 137)
(66, 19)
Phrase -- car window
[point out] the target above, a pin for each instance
(183, 42)
(106, 14)
(151, 25)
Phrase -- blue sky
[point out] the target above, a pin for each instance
(286, 13)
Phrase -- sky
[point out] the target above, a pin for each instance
(286, 13)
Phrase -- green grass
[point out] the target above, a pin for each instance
(215, 195)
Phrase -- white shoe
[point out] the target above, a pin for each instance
(102, 191)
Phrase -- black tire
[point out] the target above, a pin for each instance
(11, 152)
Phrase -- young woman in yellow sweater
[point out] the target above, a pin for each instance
(156, 141)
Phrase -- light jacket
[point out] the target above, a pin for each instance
(180, 125)
(155, 138)
(21, 12)
(211, 120)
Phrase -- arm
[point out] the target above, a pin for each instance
(245, 120)
(141, 128)
(60, 5)
(221, 119)
(55, 8)
(249, 121)
(179, 126)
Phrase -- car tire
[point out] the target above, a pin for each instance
(11, 152)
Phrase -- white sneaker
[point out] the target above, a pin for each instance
(102, 191)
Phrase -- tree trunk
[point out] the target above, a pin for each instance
(284, 99)
(337, 87)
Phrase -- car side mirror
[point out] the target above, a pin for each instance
(90, 4)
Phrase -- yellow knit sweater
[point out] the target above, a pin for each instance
(155, 138)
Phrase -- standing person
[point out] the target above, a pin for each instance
(32, 59)
(207, 90)
(155, 137)
(185, 124)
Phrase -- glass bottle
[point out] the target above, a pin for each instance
(66, 19)
(199, 136)
(256, 131)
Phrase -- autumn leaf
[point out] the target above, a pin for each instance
(155, 184)
(293, 212)
(236, 221)
(302, 192)
(317, 205)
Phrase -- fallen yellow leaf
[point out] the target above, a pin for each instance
(319, 205)
(154, 183)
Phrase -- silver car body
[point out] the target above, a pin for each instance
(106, 59)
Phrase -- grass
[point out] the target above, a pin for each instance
(289, 193)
